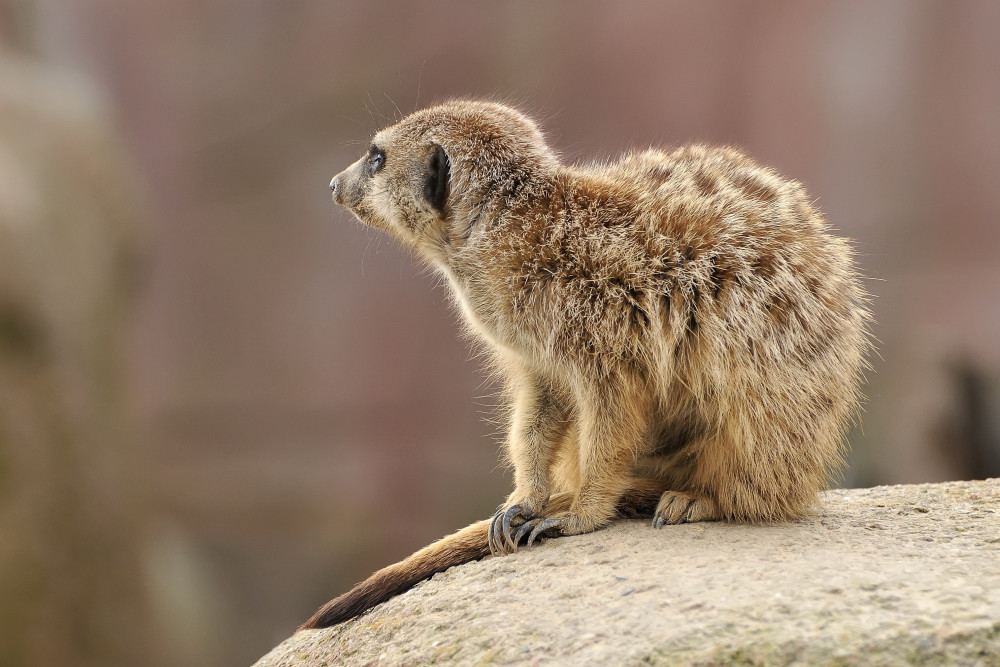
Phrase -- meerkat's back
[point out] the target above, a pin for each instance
(765, 323)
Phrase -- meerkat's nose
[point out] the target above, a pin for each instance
(335, 189)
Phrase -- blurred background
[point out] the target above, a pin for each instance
(223, 401)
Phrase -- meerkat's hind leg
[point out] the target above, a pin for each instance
(677, 507)
(641, 500)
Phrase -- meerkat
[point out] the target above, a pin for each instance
(680, 334)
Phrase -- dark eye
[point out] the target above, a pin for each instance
(375, 163)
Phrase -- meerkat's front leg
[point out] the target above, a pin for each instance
(540, 422)
(612, 426)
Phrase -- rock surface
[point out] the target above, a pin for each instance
(882, 576)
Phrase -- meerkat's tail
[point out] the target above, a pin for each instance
(466, 545)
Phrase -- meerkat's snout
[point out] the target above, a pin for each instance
(340, 186)
(346, 187)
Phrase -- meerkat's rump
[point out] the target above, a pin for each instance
(681, 334)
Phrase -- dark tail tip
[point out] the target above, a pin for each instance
(465, 545)
(329, 614)
(378, 588)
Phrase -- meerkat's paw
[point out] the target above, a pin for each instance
(540, 527)
(560, 523)
(506, 519)
(677, 507)
(525, 519)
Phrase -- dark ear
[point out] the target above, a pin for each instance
(436, 183)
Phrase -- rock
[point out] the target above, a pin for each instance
(882, 576)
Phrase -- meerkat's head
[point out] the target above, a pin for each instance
(431, 178)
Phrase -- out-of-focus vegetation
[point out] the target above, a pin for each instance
(71, 590)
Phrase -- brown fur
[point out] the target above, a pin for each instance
(675, 327)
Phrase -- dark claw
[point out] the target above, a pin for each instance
(498, 536)
(508, 515)
(658, 522)
(524, 530)
(492, 537)
(544, 528)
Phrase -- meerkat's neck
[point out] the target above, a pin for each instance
(505, 226)
(501, 207)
